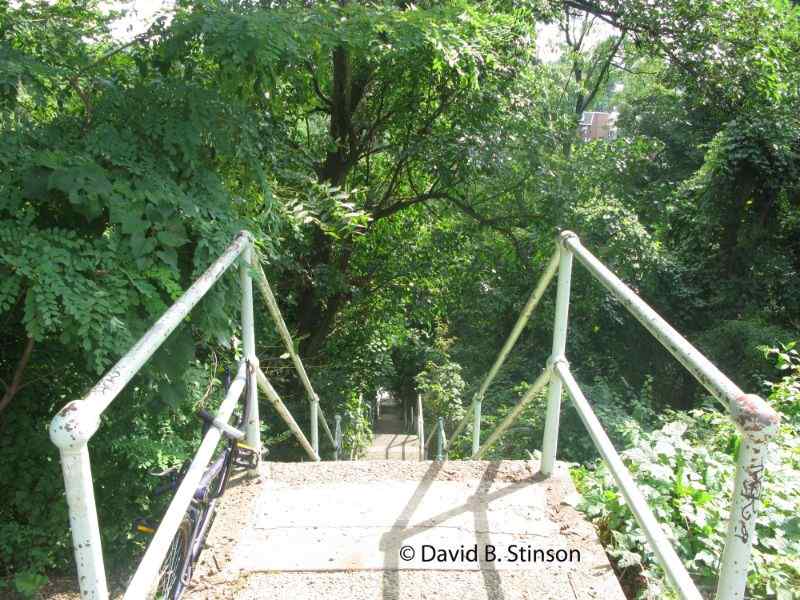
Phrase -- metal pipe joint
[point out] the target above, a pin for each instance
(756, 419)
(554, 361)
(74, 425)
(566, 235)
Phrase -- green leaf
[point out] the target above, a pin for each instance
(28, 583)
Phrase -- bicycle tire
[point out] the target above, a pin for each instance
(170, 583)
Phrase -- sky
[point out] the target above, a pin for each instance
(141, 14)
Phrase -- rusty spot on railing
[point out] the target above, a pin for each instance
(753, 414)
(71, 407)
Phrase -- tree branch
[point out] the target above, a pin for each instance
(405, 203)
(315, 83)
(603, 72)
(12, 389)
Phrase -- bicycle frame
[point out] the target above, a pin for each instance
(202, 509)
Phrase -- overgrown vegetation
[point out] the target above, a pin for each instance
(686, 468)
(404, 169)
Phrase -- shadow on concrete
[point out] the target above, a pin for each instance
(392, 541)
(390, 423)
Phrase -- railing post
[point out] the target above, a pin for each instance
(71, 430)
(338, 436)
(253, 425)
(476, 426)
(420, 428)
(315, 424)
(440, 439)
(550, 443)
(757, 426)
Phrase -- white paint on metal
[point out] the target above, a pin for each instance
(420, 428)
(746, 498)
(83, 522)
(476, 425)
(756, 420)
(512, 416)
(314, 420)
(440, 439)
(252, 422)
(146, 575)
(228, 430)
(698, 365)
(553, 416)
(75, 424)
(112, 383)
(661, 545)
(522, 320)
(337, 419)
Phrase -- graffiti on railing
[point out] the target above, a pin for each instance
(751, 491)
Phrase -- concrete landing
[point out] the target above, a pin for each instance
(392, 529)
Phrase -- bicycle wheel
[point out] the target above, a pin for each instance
(215, 479)
(170, 577)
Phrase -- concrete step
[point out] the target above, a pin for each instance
(393, 446)
(390, 442)
(394, 529)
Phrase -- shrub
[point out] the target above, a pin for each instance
(442, 386)
(734, 347)
(356, 431)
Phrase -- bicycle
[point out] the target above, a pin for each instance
(185, 548)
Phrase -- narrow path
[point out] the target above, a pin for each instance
(391, 442)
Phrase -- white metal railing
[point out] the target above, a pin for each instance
(76, 423)
(420, 428)
(756, 420)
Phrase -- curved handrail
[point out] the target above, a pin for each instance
(76, 423)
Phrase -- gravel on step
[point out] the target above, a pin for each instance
(388, 470)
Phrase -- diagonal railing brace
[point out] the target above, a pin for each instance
(522, 320)
(272, 305)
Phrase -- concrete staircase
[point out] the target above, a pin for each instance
(390, 441)
(343, 530)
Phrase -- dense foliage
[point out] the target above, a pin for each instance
(685, 469)
(404, 169)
